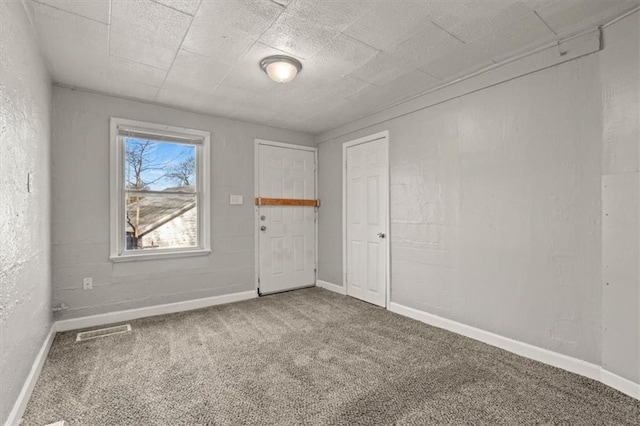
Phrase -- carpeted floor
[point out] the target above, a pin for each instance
(307, 357)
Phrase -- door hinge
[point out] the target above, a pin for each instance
(345, 278)
(258, 280)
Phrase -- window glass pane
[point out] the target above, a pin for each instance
(159, 166)
(160, 221)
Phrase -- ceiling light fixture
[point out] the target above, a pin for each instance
(281, 69)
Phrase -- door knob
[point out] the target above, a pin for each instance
(380, 234)
(263, 228)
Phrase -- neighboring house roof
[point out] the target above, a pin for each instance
(158, 209)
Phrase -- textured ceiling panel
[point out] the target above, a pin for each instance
(190, 7)
(396, 90)
(121, 69)
(191, 100)
(381, 69)
(227, 97)
(69, 35)
(307, 100)
(461, 60)
(341, 56)
(358, 56)
(476, 19)
(336, 14)
(339, 114)
(140, 51)
(306, 26)
(566, 15)
(195, 73)
(298, 113)
(415, 51)
(132, 89)
(147, 32)
(226, 30)
(248, 75)
(80, 46)
(96, 10)
(298, 36)
(513, 39)
(261, 104)
(389, 22)
(342, 89)
(149, 22)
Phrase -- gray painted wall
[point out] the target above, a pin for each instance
(25, 273)
(620, 69)
(81, 209)
(496, 215)
(330, 213)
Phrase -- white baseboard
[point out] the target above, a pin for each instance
(546, 356)
(332, 287)
(169, 308)
(23, 398)
(620, 383)
(520, 348)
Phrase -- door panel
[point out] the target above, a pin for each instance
(367, 217)
(287, 245)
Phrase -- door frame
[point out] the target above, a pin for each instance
(387, 241)
(256, 209)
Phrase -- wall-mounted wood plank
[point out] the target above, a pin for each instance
(260, 201)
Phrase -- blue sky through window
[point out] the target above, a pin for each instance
(161, 165)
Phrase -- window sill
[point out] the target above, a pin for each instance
(157, 256)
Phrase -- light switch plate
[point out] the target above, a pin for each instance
(236, 200)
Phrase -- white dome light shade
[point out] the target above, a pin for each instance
(281, 69)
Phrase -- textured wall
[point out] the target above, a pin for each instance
(495, 208)
(81, 209)
(620, 75)
(515, 209)
(330, 218)
(25, 273)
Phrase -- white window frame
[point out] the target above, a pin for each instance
(202, 140)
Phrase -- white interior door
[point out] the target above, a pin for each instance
(367, 209)
(287, 234)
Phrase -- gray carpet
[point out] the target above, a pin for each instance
(307, 357)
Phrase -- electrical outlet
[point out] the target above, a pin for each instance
(87, 283)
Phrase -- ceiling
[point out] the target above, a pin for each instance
(357, 56)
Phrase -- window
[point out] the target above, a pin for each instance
(159, 191)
